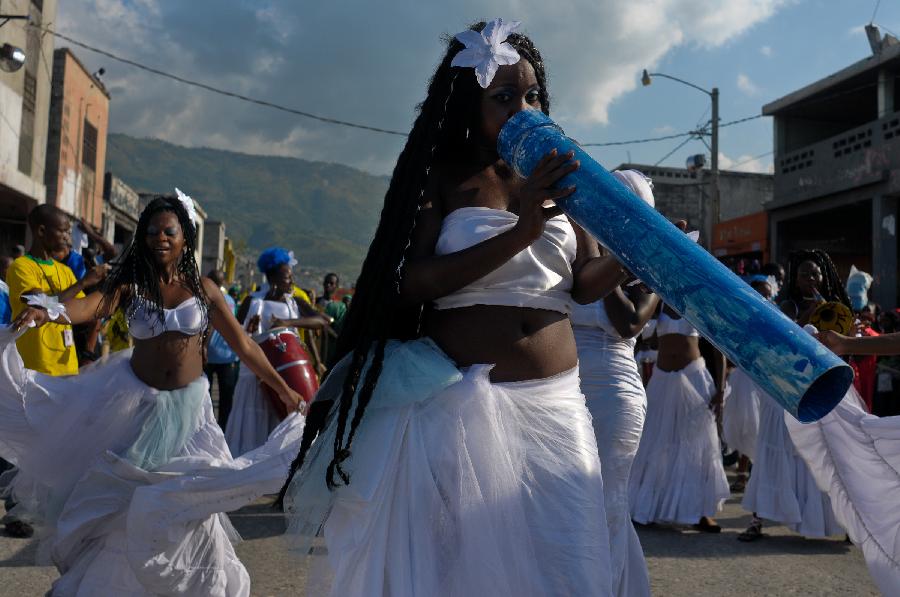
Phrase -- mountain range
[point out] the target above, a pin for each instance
(326, 213)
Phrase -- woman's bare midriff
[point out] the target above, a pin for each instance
(677, 352)
(169, 361)
(523, 344)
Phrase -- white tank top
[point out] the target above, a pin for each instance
(269, 310)
(669, 325)
(539, 277)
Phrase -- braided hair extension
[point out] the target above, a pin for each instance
(137, 273)
(441, 133)
(832, 285)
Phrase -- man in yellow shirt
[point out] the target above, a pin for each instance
(49, 349)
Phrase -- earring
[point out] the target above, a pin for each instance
(467, 132)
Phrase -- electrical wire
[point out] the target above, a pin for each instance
(680, 145)
(328, 120)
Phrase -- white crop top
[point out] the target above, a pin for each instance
(270, 310)
(593, 315)
(540, 277)
(186, 318)
(669, 325)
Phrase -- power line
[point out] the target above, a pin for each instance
(875, 12)
(325, 119)
(224, 92)
(680, 145)
(748, 160)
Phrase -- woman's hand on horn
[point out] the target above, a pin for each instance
(538, 189)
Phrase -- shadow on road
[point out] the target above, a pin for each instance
(258, 520)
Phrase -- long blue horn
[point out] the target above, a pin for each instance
(806, 378)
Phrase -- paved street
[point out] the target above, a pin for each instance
(682, 562)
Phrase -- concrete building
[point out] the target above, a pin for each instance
(24, 106)
(121, 209)
(213, 246)
(837, 168)
(682, 194)
(76, 142)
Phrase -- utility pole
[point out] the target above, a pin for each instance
(714, 166)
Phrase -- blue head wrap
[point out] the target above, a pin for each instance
(275, 257)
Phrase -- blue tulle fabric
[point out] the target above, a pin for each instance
(174, 419)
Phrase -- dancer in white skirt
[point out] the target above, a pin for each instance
(464, 462)
(677, 476)
(605, 333)
(123, 468)
(740, 419)
(253, 416)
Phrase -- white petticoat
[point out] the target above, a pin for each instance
(781, 487)
(252, 416)
(126, 483)
(855, 457)
(460, 487)
(740, 419)
(618, 405)
(677, 474)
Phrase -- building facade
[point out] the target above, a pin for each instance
(213, 246)
(837, 169)
(24, 108)
(683, 194)
(121, 209)
(76, 142)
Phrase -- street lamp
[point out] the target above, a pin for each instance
(714, 149)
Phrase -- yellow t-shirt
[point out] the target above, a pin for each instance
(43, 349)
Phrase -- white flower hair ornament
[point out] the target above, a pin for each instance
(487, 50)
(188, 205)
(51, 304)
(293, 262)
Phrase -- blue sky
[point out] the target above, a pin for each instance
(370, 61)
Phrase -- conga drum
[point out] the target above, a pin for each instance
(287, 355)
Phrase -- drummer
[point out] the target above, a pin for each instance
(253, 416)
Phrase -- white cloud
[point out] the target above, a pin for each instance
(375, 70)
(747, 163)
(857, 30)
(664, 129)
(766, 51)
(746, 85)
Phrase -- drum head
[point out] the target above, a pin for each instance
(263, 336)
(833, 316)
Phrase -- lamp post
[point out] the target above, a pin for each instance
(714, 141)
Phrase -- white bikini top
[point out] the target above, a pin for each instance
(186, 318)
(540, 277)
(269, 310)
(669, 325)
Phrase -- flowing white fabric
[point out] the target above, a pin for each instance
(855, 457)
(252, 417)
(781, 487)
(677, 474)
(740, 419)
(126, 483)
(462, 487)
(618, 405)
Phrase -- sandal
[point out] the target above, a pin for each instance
(707, 525)
(19, 529)
(740, 483)
(753, 532)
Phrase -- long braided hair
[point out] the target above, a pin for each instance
(443, 131)
(832, 285)
(137, 273)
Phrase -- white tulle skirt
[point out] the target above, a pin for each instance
(781, 487)
(252, 416)
(677, 474)
(459, 487)
(855, 457)
(740, 419)
(618, 405)
(126, 483)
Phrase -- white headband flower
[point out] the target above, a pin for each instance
(188, 205)
(293, 261)
(51, 304)
(487, 50)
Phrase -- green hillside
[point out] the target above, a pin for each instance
(326, 213)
